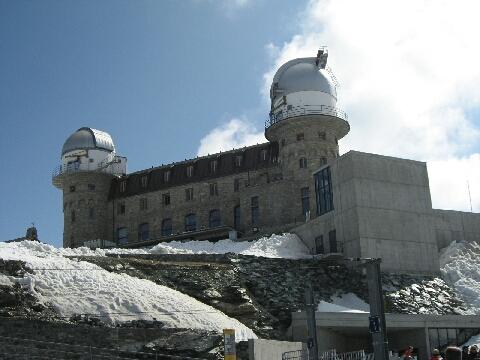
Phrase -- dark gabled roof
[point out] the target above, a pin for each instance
(251, 160)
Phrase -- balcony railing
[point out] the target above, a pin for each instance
(114, 167)
(294, 111)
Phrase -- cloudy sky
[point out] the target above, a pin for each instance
(174, 79)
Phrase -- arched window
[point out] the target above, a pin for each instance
(167, 228)
(190, 222)
(236, 217)
(214, 219)
(143, 232)
(122, 235)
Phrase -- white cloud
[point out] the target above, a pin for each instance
(234, 134)
(409, 76)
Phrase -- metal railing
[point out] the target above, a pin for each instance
(295, 355)
(110, 167)
(293, 111)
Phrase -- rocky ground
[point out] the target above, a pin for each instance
(260, 292)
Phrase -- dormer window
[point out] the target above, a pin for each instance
(123, 186)
(213, 166)
(238, 160)
(166, 176)
(190, 170)
(144, 181)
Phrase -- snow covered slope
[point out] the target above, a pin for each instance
(287, 246)
(460, 267)
(79, 287)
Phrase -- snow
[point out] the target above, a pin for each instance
(349, 302)
(460, 267)
(287, 246)
(79, 287)
(275, 246)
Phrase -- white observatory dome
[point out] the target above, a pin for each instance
(303, 75)
(303, 86)
(87, 138)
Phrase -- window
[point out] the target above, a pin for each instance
(72, 216)
(91, 213)
(332, 241)
(121, 208)
(236, 217)
(305, 196)
(144, 181)
(213, 189)
(213, 166)
(255, 211)
(72, 188)
(122, 235)
(143, 232)
(91, 187)
(323, 191)
(238, 160)
(303, 163)
(190, 222)
(319, 247)
(189, 194)
(236, 185)
(166, 176)
(143, 204)
(322, 135)
(283, 142)
(300, 137)
(166, 199)
(263, 155)
(323, 161)
(190, 170)
(214, 219)
(123, 186)
(167, 228)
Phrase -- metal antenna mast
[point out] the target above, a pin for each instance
(469, 196)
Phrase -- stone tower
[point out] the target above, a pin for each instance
(304, 120)
(88, 165)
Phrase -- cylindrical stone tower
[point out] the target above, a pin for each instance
(88, 165)
(305, 121)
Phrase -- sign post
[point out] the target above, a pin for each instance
(229, 350)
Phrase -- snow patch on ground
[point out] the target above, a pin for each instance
(287, 246)
(474, 340)
(79, 287)
(460, 267)
(344, 303)
(275, 246)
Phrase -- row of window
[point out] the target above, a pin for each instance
(333, 245)
(91, 214)
(190, 223)
(90, 187)
(322, 135)
(166, 199)
(190, 170)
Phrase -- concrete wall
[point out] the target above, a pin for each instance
(456, 226)
(382, 208)
(260, 349)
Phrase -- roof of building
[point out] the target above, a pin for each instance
(88, 138)
(302, 74)
(252, 158)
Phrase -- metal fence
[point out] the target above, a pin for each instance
(305, 110)
(327, 355)
(295, 355)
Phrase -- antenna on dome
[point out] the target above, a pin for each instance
(322, 55)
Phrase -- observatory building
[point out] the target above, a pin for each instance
(356, 205)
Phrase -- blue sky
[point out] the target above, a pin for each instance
(166, 78)
(157, 75)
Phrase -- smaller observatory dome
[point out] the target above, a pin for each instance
(88, 138)
(303, 74)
